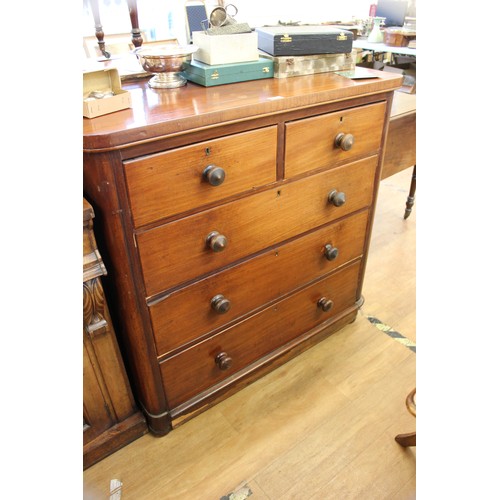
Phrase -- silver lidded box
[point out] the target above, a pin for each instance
(287, 66)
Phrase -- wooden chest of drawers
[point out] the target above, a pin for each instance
(236, 221)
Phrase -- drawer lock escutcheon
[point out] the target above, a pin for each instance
(331, 252)
(336, 198)
(216, 241)
(223, 361)
(214, 175)
(325, 304)
(344, 141)
(220, 304)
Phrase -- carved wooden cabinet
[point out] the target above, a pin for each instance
(110, 416)
(237, 221)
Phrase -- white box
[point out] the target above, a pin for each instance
(225, 49)
(104, 80)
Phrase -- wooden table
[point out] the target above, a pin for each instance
(382, 47)
(401, 146)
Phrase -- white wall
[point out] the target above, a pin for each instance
(166, 18)
(260, 12)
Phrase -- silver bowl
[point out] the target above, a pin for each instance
(166, 62)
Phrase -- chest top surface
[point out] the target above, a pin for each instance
(155, 114)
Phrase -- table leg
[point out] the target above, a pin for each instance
(99, 33)
(134, 20)
(411, 195)
(406, 440)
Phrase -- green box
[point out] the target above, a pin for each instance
(209, 76)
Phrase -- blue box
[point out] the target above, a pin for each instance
(211, 75)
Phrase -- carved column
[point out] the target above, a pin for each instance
(93, 308)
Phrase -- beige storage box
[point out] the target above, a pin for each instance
(104, 82)
(225, 49)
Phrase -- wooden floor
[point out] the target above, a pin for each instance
(320, 427)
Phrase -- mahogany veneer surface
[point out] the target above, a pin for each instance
(214, 285)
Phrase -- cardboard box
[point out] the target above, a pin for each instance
(304, 40)
(225, 49)
(211, 75)
(104, 80)
(288, 66)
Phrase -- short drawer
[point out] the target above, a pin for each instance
(185, 249)
(175, 181)
(330, 133)
(209, 304)
(205, 364)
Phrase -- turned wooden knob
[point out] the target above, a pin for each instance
(331, 252)
(336, 198)
(223, 361)
(325, 304)
(344, 141)
(214, 175)
(216, 241)
(220, 304)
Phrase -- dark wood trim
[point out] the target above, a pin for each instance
(114, 438)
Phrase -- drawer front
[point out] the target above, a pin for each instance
(195, 369)
(202, 307)
(172, 182)
(178, 251)
(364, 124)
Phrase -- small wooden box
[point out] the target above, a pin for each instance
(104, 80)
(304, 40)
(225, 49)
(210, 75)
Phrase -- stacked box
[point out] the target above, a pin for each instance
(288, 66)
(210, 75)
(304, 40)
(225, 49)
(227, 58)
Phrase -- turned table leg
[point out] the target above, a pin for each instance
(411, 195)
(134, 20)
(99, 33)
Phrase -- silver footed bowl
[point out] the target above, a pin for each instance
(166, 62)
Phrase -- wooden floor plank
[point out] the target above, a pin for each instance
(390, 287)
(346, 434)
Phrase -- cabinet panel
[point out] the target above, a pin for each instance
(177, 252)
(169, 183)
(96, 415)
(201, 307)
(110, 416)
(196, 369)
(310, 142)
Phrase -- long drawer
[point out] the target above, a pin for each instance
(209, 304)
(184, 249)
(209, 362)
(174, 181)
(364, 124)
